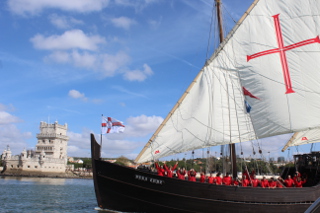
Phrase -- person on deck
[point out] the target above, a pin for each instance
(299, 182)
(226, 180)
(181, 173)
(218, 179)
(202, 178)
(160, 169)
(264, 183)
(244, 181)
(211, 179)
(192, 175)
(170, 169)
(289, 182)
(272, 183)
(254, 181)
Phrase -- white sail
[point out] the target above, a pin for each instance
(304, 137)
(273, 54)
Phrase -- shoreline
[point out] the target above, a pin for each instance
(66, 176)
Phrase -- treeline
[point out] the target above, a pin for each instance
(203, 164)
(87, 163)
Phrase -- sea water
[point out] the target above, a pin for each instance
(41, 195)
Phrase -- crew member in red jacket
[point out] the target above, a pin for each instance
(202, 177)
(254, 181)
(218, 179)
(169, 170)
(272, 183)
(160, 169)
(264, 183)
(289, 182)
(299, 182)
(226, 180)
(211, 179)
(244, 181)
(181, 173)
(192, 175)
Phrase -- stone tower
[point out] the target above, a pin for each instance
(52, 140)
(50, 156)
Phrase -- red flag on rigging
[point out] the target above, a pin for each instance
(247, 93)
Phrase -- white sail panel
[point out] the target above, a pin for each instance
(304, 137)
(273, 53)
(281, 111)
(212, 114)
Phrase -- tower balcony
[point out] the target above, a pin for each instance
(52, 136)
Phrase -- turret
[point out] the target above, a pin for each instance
(24, 154)
(8, 153)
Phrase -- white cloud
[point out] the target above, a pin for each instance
(77, 95)
(64, 22)
(123, 22)
(6, 107)
(112, 63)
(106, 64)
(34, 7)
(9, 133)
(58, 56)
(83, 60)
(142, 125)
(7, 118)
(138, 75)
(68, 40)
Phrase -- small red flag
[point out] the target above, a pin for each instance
(247, 93)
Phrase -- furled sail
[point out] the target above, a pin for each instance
(271, 56)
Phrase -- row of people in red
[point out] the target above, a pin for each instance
(247, 179)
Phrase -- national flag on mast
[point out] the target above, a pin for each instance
(111, 125)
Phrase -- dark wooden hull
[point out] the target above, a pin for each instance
(129, 190)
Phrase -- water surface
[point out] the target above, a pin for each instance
(21, 194)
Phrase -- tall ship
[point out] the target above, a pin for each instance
(262, 81)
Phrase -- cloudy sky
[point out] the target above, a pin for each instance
(72, 61)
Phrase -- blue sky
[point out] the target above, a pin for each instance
(71, 61)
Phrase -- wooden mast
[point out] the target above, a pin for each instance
(232, 147)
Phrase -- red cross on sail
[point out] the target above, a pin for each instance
(282, 51)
